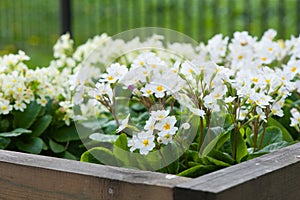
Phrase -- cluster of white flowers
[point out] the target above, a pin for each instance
(159, 126)
(250, 76)
(20, 85)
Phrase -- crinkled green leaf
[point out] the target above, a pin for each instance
(272, 135)
(286, 136)
(273, 146)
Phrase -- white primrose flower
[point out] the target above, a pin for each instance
(5, 107)
(114, 73)
(150, 124)
(19, 105)
(147, 90)
(167, 129)
(158, 89)
(124, 124)
(101, 91)
(167, 124)
(229, 99)
(217, 47)
(276, 108)
(295, 119)
(261, 114)
(188, 70)
(197, 111)
(148, 60)
(241, 114)
(159, 114)
(42, 101)
(143, 141)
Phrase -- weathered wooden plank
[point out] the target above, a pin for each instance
(275, 176)
(25, 176)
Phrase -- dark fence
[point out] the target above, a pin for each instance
(34, 25)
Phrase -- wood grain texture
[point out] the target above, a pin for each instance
(25, 176)
(275, 176)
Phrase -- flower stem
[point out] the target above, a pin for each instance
(201, 133)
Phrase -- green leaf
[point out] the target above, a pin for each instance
(122, 142)
(26, 118)
(286, 136)
(241, 146)
(4, 125)
(41, 125)
(249, 136)
(55, 147)
(268, 149)
(217, 162)
(216, 143)
(65, 134)
(4, 142)
(198, 170)
(31, 145)
(100, 155)
(69, 155)
(272, 135)
(15, 133)
(170, 152)
(138, 106)
(222, 156)
(274, 146)
(100, 137)
(210, 143)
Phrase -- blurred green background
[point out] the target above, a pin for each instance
(35, 25)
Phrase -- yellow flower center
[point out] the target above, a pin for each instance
(149, 91)
(191, 71)
(293, 69)
(141, 63)
(154, 66)
(167, 126)
(167, 136)
(110, 78)
(146, 142)
(4, 107)
(263, 58)
(160, 116)
(268, 80)
(159, 88)
(255, 80)
(218, 95)
(240, 57)
(243, 43)
(270, 49)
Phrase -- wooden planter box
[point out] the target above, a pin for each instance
(24, 176)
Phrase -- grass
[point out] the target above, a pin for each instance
(34, 25)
